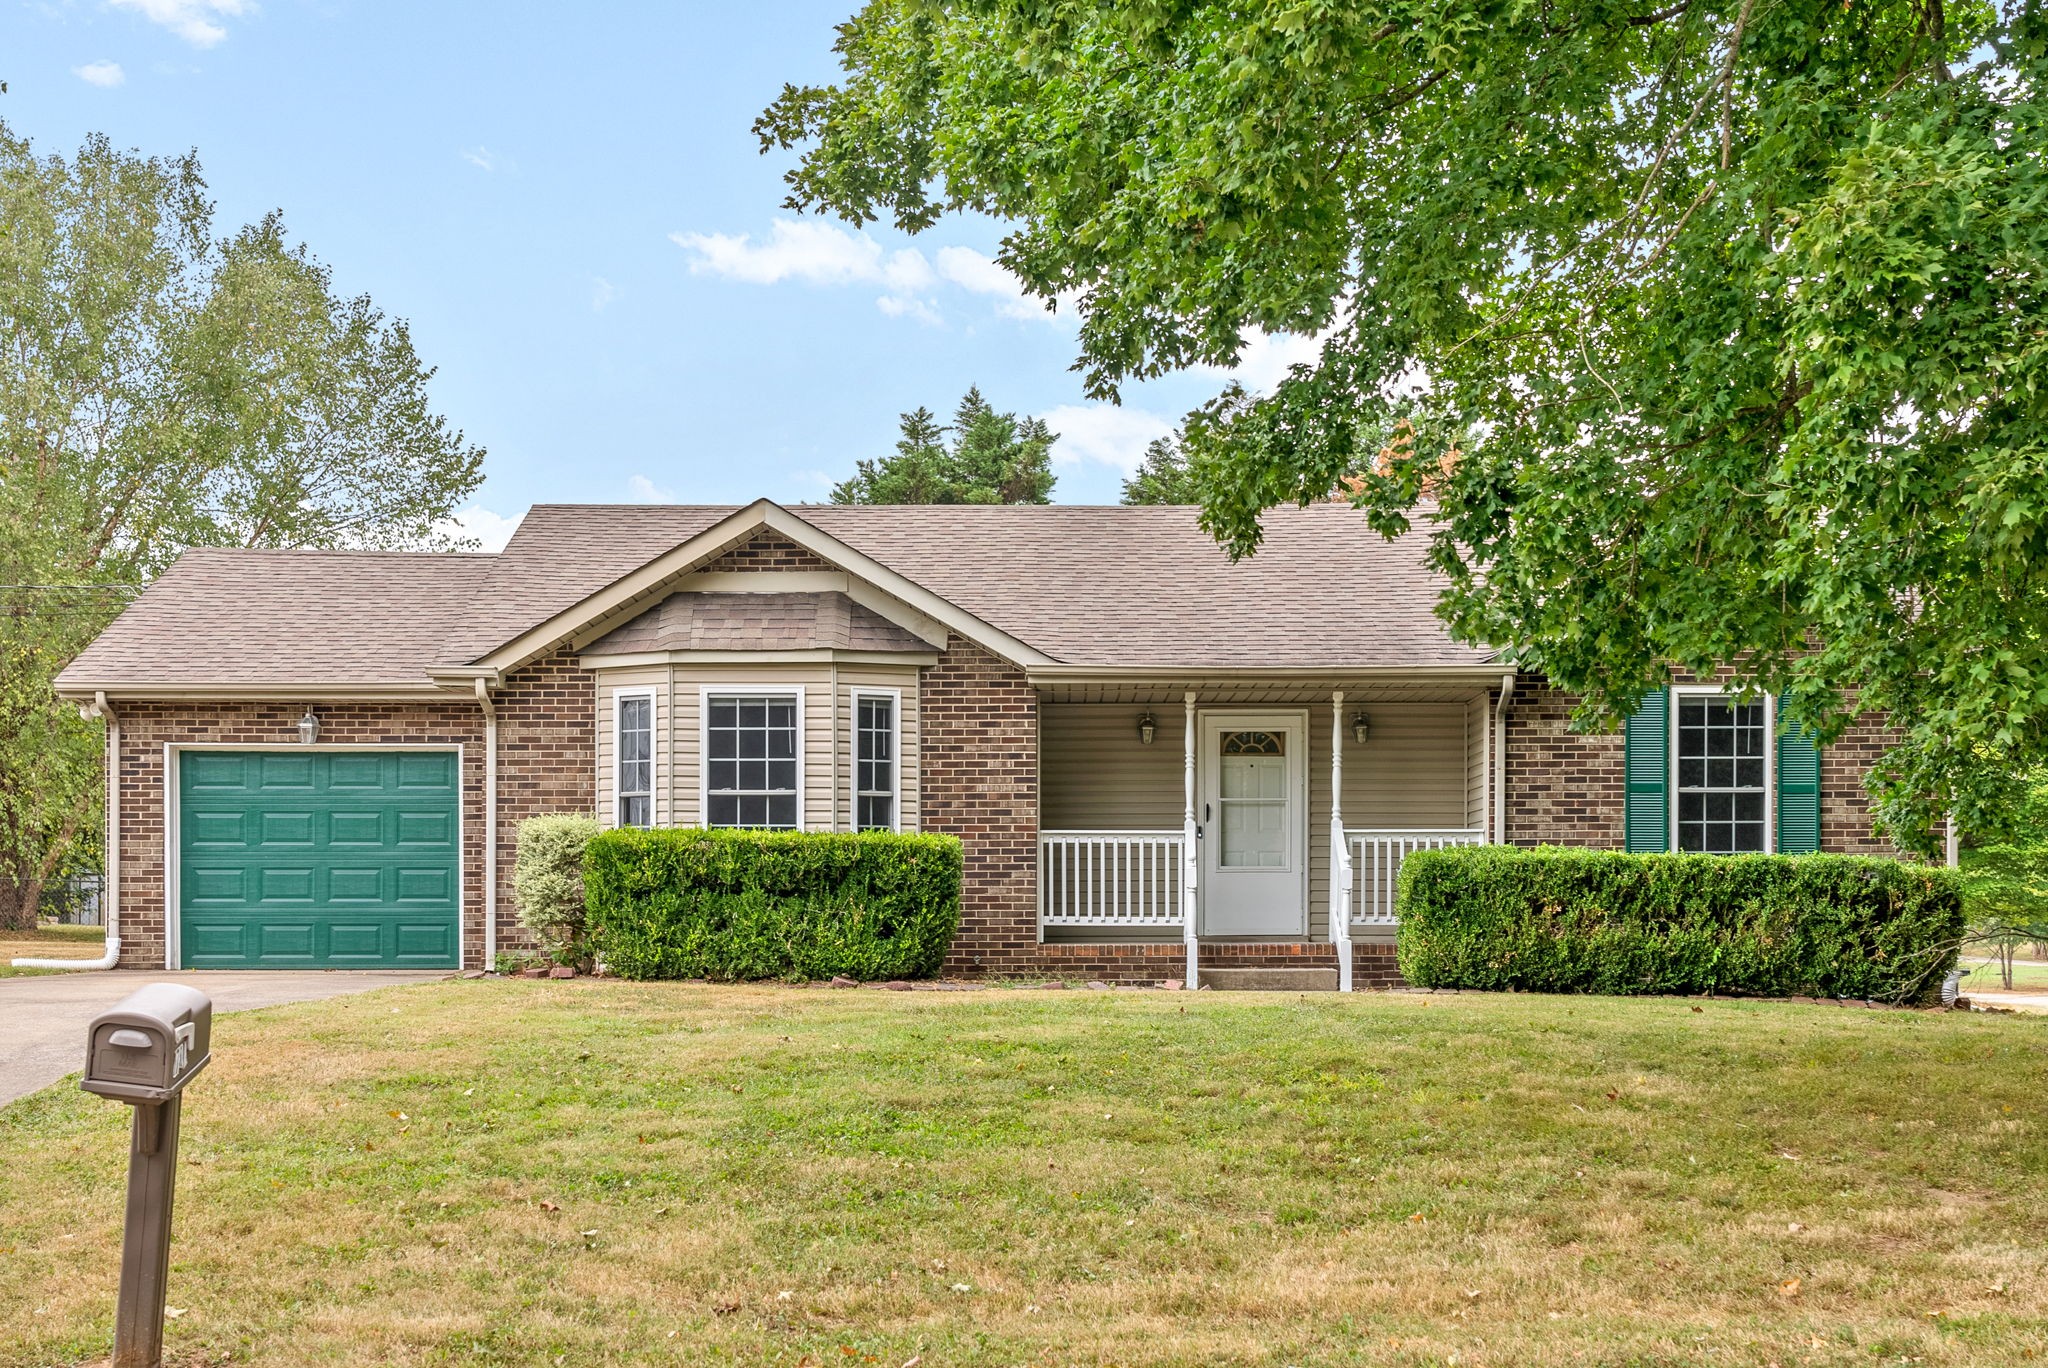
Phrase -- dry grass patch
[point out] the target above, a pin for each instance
(586, 1173)
(50, 942)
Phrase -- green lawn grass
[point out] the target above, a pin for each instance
(596, 1173)
(2028, 976)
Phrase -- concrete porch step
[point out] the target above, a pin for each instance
(1261, 980)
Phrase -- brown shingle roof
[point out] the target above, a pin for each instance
(285, 617)
(757, 622)
(1085, 585)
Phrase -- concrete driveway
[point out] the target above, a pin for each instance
(43, 1018)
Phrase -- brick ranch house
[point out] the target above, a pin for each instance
(1158, 762)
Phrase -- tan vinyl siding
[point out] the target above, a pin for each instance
(1414, 771)
(610, 684)
(678, 734)
(902, 681)
(1478, 759)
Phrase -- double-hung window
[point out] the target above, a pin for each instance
(1711, 772)
(874, 762)
(633, 777)
(751, 772)
(1723, 786)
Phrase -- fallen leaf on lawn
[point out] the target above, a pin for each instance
(1794, 1227)
(1471, 1294)
(913, 1361)
(724, 1308)
(550, 1206)
(174, 1310)
(1418, 1218)
(963, 1287)
(1613, 1095)
(784, 1296)
(1789, 1288)
(586, 1234)
(1699, 1009)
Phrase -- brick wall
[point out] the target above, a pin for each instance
(1565, 788)
(547, 762)
(146, 728)
(978, 778)
(767, 550)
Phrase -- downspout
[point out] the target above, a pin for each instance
(483, 700)
(1500, 760)
(110, 896)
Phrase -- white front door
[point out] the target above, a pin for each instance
(1254, 821)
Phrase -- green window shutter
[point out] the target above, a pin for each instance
(1646, 818)
(1798, 791)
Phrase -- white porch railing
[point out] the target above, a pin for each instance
(1110, 878)
(1376, 857)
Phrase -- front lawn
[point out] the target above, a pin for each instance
(584, 1173)
(50, 942)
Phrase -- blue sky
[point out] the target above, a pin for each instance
(567, 206)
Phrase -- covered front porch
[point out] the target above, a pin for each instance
(1253, 821)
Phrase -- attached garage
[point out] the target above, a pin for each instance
(302, 858)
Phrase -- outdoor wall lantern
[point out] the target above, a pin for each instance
(309, 728)
(1147, 729)
(1360, 728)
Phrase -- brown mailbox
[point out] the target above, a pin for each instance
(147, 1048)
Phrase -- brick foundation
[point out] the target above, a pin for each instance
(1372, 963)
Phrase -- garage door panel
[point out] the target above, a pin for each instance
(284, 829)
(217, 830)
(425, 943)
(285, 772)
(355, 884)
(355, 829)
(356, 941)
(426, 770)
(426, 828)
(425, 885)
(284, 884)
(353, 861)
(358, 772)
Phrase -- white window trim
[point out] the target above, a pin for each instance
(619, 699)
(895, 697)
(1679, 691)
(705, 694)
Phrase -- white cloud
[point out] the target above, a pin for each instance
(192, 20)
(645, 490)
(972, 271)
(105, 75)
(491, 529)
(1263, 361)
(1106, 433)
(602, 292)
(481, 158)
(808, 252)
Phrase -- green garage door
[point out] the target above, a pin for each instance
(318, 859)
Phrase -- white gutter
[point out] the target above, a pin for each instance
(110, 895)
(1500, 760)
(483, 700)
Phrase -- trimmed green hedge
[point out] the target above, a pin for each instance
(1586, 921)
(741, 904)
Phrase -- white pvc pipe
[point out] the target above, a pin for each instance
(110, 896)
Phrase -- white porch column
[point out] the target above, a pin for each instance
(1190, 860)
(1340, 849)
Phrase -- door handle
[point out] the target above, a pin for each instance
(1205, 812)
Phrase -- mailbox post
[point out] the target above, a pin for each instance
(143, 1052)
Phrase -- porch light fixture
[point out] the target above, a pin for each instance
(309, 728)
(1360, 728)
(1147, 729)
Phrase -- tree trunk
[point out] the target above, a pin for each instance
(21, 901)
